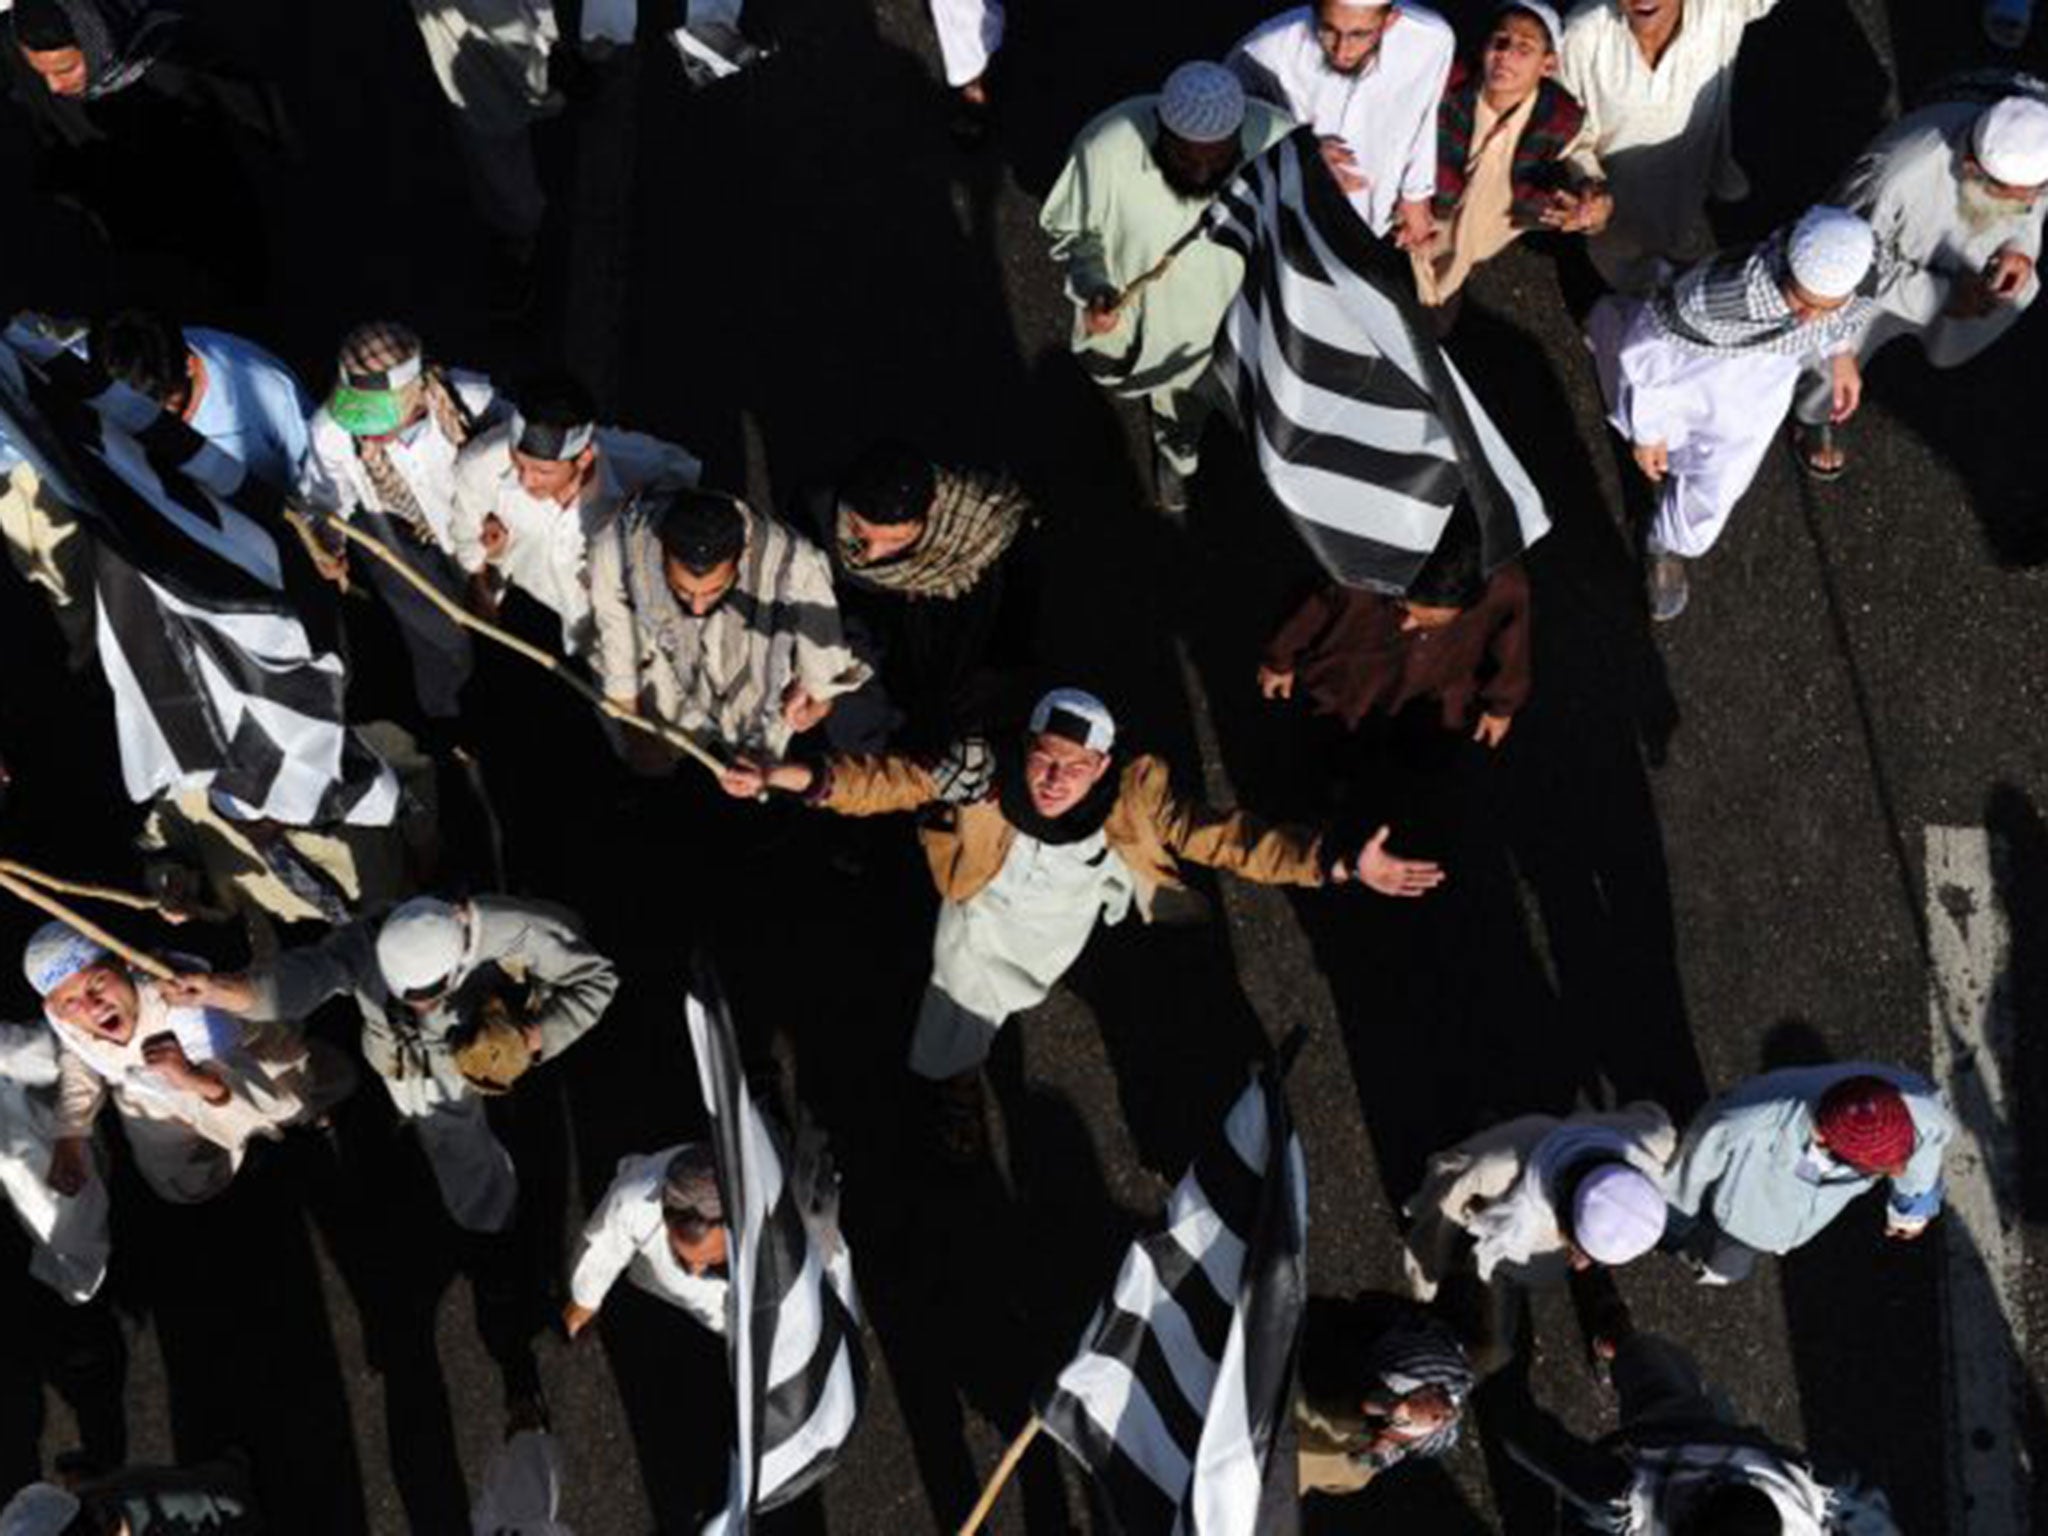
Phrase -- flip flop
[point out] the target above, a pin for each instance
(1810, 440)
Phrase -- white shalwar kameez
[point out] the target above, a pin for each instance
(1716, 415)
(1662, 134)
(1908, 185)
(970, 32)
(70, 1232)
(1005, 948)
(628, 1235)
(1385, 113)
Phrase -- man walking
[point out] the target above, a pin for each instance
(662, 1226)
(1699, 376)
(1124, 219)
(1773, 1161)
(1955, 194)
(1366, 75)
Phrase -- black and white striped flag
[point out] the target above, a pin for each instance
(1185, 1377)
(799, 1367)
(1361, 425)
(220, 649)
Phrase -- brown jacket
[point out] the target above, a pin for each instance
(1150, 827)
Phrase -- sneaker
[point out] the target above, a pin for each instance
(1667, 586)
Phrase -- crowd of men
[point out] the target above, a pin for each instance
(851, 651)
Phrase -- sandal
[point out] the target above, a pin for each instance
(1815, 443)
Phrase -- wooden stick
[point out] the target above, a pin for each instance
(78, 888)
(1157, 270)
(459, 615)
(36, 897)
(1003, 1470)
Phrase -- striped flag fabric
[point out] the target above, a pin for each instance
(1361, 425)
(799, 1367)
(1182, 1384)
(220, 648)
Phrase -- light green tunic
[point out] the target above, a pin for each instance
(1111, 217)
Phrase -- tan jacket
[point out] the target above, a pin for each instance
(1151, 828)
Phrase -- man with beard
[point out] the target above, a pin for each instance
(1657, 80)
(1367, 76)
(1700, 375)
(1955, 194)
(719, 622)
(1148, 293)
(1030, 844)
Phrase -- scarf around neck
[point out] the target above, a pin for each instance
(1735, 303)
(1013, 794)
(974, 520)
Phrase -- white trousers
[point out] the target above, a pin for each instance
(970, 31)
(70, 1233)
(478, 1183)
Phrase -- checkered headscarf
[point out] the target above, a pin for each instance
(370, 351)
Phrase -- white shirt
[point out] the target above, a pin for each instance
(627, 1235)
(547, 548)
(1385, 114)
(335, 480)
(1661, 134)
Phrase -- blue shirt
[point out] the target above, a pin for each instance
(253, 410)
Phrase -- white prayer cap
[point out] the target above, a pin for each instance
(57, 952)
(421, 945)
(2011, 141)
(1079, 717)
(40, 1509)
(1543, 13)
(1830, 252)
(1617, 1214)
(1202, 103)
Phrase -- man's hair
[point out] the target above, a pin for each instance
(890, 484)
(1450, 577)
(143, 349)
(555, 400)
(690, 1196)
(1731, 1508)
(43, 25)
(701, 530)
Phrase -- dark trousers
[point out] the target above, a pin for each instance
(80, 1354)
(440, 649)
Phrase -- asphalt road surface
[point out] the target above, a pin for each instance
(1705, 848)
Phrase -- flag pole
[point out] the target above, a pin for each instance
(51, 882)
(85, 925)
(1004, 1468)
(462, 617)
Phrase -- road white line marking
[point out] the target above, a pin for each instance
(1983, 1327)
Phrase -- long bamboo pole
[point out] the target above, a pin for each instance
(51, 882)
(457, 614)
(1001, 1476)
(37, 897)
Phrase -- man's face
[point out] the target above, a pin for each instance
(1650, 15)
(1059, 773)
(63, 69)
(556, 480)
(1984, 203)
(872, 542)
(1518, 56)
(700, 591)
(1809, 307)
(1195, 171)
(1350, 34)
(700, 1249)
(99, 1000)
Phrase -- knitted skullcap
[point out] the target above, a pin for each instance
(2011, 141)
(422, 942)
(1830, 252)
(1546, 15)
(1865, 1123)
(1079, 717)
(1617, 1214)
(690, 1185)
(1202, 103)
(57, 952)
